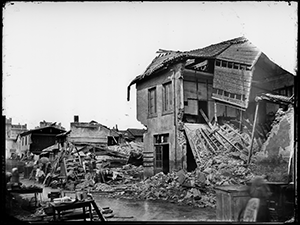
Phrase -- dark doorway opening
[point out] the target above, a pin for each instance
(165, 149)
(191, 163)
(204, 106)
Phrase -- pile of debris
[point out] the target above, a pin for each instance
(182, 188)
(106, 180)
(133, 149)
(128, 147)
(74, 165)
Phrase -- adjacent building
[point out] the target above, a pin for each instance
(91, 133)
(35, 140)
(220, 82)
(12, 132)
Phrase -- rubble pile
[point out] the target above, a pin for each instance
(130, 173)
(174, 187)
(111, 178)
(128, 147)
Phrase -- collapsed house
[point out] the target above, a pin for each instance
(83, 155)
(183, 97)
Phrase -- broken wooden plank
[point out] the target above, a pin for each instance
(216, 135)
(237, 133)
(192, 144)
(207, 141)
(253, 130)
(206, 119)
(201, 141)
(209, 138)
(227, 140)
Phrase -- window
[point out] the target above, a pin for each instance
(167, 97)
(236, 66)
(218, 63)
(158, 157)
(224, 64)
(152, 102)
(160, 139)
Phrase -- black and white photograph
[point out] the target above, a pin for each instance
(149, 111)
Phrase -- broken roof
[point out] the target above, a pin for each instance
(39, 129)
(277, 98)
(167, 57)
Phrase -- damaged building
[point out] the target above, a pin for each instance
(91, 133)
(35, 140)
(185, 90)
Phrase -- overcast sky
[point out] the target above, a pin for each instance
(66, 59)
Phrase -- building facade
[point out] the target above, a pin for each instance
(93, 133)
(217, 82)
(34, 141)
(12, 132)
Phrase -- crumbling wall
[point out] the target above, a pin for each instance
(281, 137)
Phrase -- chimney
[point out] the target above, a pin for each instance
(76, 118)
(117, 127)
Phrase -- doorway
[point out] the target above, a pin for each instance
(191, 162)
(161, 148)
(204, 106)
(162, 158)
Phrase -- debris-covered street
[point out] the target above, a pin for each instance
(123, 188)
(203, 130)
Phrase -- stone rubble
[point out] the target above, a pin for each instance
(215, 168)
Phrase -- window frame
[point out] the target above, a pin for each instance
(154, 113)
(159, 140)
(167, 98)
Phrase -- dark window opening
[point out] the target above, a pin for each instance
(167, 97)
(239, 97)
(220, 92)
(224, 64)
(152, 102)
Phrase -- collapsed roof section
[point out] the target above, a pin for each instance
(279, 99)
(233, 62)
(238, 50)
(167, 57)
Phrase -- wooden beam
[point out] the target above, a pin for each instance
(215, 112)
(253, 131)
